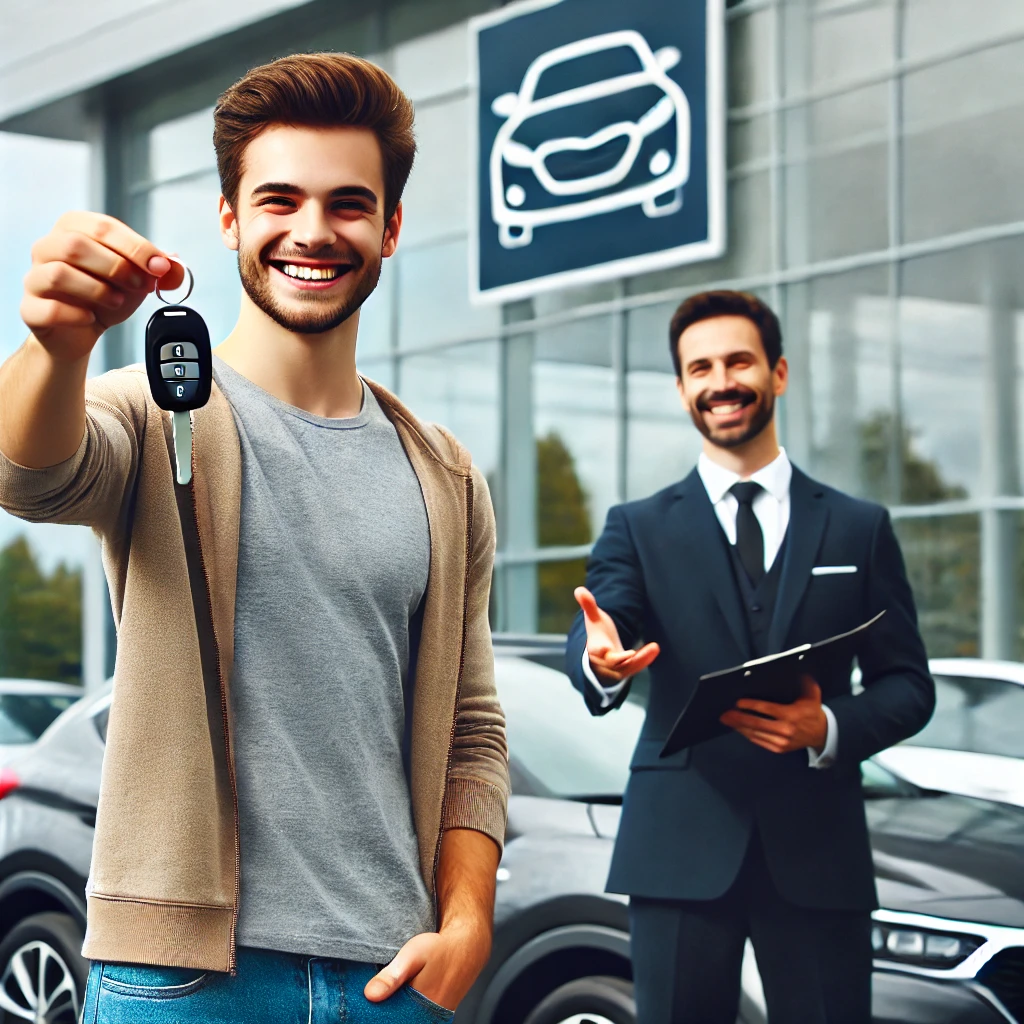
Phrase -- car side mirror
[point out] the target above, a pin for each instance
(505, 105)
(668, 57)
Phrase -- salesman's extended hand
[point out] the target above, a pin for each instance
(610, 662)
(790, 726)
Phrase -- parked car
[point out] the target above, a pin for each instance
(949, 941)
(636, 152)
(27, 707)
(974, 743)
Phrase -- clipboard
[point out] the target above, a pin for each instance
(773, 678)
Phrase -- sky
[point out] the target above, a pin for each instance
(40, 179)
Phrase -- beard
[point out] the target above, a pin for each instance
(320, 313)
(764, 411)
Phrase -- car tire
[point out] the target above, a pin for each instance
(57, 939)
(597, 1000)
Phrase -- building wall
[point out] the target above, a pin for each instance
(873, 166)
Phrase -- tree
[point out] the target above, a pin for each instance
(40, 618)
(563, 518)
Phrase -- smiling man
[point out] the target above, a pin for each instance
(305, 784)
(758, 833)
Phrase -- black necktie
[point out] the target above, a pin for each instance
(749, 539)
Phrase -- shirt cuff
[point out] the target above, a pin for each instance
(831, 749)
(608, 693)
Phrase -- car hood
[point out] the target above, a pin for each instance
(949, 856)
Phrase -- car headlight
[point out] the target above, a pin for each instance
(923, 948)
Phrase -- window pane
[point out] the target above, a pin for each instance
(749, 58)
(435, 201)
(574, 428)
(556, 606)
(749, 139)
(942, 556)
(851, 42)
(376, 316)
(837, 177)
(434, 297)
(662, 443)
(458, 388)
(182, 146)
(963, 161)
(958, 341)
(937, 26)
(182, 218)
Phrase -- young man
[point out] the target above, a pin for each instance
(306, 779)
(760, 832)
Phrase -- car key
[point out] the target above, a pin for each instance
(179, 364)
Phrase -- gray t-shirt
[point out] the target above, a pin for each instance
(333, 559)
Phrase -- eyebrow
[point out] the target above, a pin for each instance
(344, 192)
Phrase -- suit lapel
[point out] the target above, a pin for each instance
(699, 536)
(808, 516)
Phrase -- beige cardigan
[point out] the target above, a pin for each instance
(163, 887)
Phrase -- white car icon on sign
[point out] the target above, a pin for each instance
(540, 182)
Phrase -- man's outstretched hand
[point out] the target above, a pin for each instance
(607, 657)
(790, 726)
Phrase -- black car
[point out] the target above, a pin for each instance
(949, 941)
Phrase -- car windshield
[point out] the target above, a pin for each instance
(587, 70)
(556, 747)
(983, 716)
(25, 716)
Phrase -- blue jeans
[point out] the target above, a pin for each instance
(267, 988)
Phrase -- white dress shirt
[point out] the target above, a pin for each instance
(771, 507)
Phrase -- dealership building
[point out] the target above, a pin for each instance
(856, 163)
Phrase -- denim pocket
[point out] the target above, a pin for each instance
(437, 1011)
(149, 982)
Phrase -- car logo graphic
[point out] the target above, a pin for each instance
(560, 198)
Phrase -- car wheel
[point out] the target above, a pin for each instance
(597, 1000)
(41, 966)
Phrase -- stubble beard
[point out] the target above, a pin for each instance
(319, 316)
(765, 412)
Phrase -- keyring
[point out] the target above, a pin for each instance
(191, 283)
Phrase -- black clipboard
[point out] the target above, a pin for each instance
(774, 678)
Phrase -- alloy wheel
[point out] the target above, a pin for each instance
(38, 986)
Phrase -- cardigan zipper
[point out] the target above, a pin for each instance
(458, 682)
(224, 718)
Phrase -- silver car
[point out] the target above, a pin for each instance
(974, 743)
(27, 707)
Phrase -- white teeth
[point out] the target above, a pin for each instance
(727, 410)
(310, 273)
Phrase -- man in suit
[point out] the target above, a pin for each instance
(759, 832)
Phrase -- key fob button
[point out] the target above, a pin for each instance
(182, 390)
(178, 350)
(180, 371)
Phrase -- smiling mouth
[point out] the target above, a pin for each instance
(304, 272)
(732, 405)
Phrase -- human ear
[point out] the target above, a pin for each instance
(780, 377)
(392, 230)
(228, 225)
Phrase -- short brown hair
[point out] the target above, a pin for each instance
(318, 90)
(707, 305)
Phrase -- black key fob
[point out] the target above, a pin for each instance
(178, 359)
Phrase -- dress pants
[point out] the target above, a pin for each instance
(815, 965)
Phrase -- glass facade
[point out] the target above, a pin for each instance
(873, 199)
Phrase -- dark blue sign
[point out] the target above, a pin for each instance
(600, 141)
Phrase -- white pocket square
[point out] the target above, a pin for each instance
(832, 570)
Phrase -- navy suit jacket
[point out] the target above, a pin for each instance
(661, 569)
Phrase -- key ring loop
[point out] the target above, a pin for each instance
(191, 283)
